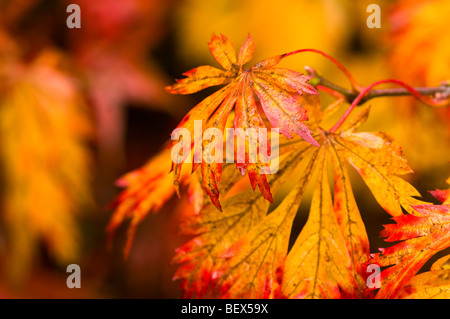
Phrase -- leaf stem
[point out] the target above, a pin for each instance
(356, 87)
(419, 93)
(442, 92)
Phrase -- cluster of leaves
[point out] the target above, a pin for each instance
(62, 102)
(240, 245)
(44, 126)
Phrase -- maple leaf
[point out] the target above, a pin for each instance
(421, 235)
(273, 86)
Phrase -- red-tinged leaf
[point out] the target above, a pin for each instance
(203, 110)
(212, 168)
(223, 51)
(249, 123)
(246, 51)
(268, 63)
(221, 100)
(209, 184)
(248, 128)
(247, 115)
(219, 118)
(282, 110)
(184, 255)
(199, 79)
(288, 80)
(260, 180)
(441, 195)
(422, 236)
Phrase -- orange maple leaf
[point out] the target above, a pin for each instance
(274, 88)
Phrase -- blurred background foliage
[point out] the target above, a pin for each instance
(81, 107)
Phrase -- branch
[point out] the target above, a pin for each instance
(441, 94)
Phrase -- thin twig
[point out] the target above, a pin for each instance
(441, 93)
(353, 83)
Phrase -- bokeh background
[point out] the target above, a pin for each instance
(81, 107)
